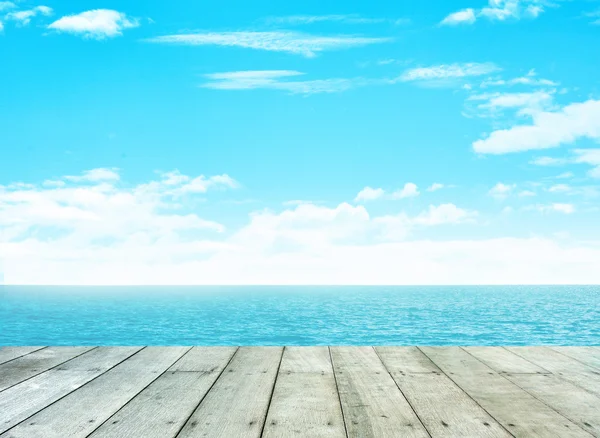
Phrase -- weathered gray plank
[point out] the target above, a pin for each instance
(503, 361)
(82, 411)
(407, 360)
(306, 360)
(11, 353)
(237, 403)
(372, 404)
(25, 367)
(567, 368)
(518, 411)
(578, 405)
(305, 400)
(162, 409)
(25, 399)
(444, 408)
(587, 355)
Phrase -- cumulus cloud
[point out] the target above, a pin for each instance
(277, 41)
(93, 212)
(410, 190)
(548, 130)
(501, 190)
(7, 5)
(369, 194)
(95, 24)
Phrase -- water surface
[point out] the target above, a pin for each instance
(449, 315)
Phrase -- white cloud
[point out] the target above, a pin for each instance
(501, 190)
(340, 18)
(435, 186)
(565, 175)
(1, 26)
(95, 24)
(560, 188)
(525, 103)
(548, 161)
(277, 80)
(24, 17)
(466, 16)
(7, 5)
(448, 71)
(548, 130)
(444, 214)
(369, 194)
(556, 207)
(410, 190)
(526, 193)
(589, 156)
(94, 175)
(530, 79)
(278, 41)
(105, 233)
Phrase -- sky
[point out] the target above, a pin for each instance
(351, 143)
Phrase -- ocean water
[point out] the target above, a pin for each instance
(451, 315)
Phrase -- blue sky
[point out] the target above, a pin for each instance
(335, 143)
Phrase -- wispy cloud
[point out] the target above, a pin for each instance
(278, 80)
(494, 104)
(466, 16)
(589, 156)
(529, 79)
(555, 207)
(95, 24)
(548, 130)
(447, 72)
(499, 10)
(23, 18)
(4, 6)
(435, 187)
(548, 161)
(340, 18)
(279, 41)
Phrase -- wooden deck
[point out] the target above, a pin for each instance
(161, 392)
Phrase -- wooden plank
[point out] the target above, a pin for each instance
(306, 360)
(162, 409)
(11, 353)
(503, 361)
(25, 367)
(237, 403)
(406, 360)
(587, 355)
(578, 405)
(518, 411)
(25, 399)
(444, 408)
(567, 368)
(84, 410)
(372, 404)
(305, 400)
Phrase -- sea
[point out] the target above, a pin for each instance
(303, 315)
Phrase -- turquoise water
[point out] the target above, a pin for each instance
(516, 315)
